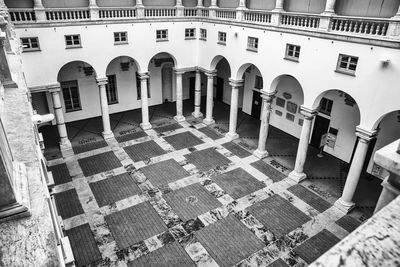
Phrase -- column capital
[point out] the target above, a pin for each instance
(200, 4)
(210, 73)
(102, 81)
(309, 114)
(235, 83)
(365, 135)
(179, 71)
(53, 88)
(144, 75)
(268, 96)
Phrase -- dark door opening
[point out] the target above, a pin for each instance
(220, 89)
(256, 105)
(192, 85)
(321, 126)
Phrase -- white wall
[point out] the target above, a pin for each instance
(249, 82)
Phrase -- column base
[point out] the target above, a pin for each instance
(232, 136)
(107, 135)
(146, 126)
(197, 115)
(13, 212)
(208, 121)
(179, 118)
(344, 206)
(297, 177)
(260, 154)
(66, 149)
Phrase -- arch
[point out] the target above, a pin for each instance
(123, 60)
(276, 82)
(243, 68)
(163, 54)
(80, 65)
(216, 60)
(380, 119)
(343, 94)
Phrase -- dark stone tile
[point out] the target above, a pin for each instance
(317, 245)
(183, 140)
(164, 172)
(68, 204)
(191, 201)
(130, 136)
(348, 223)
(238, 183)
(268, 170)
(310, 198)
(228, 241)
(210, 133)
(89, 146)
(278, 215)
(207, 159)
(99, 163)
(83, 245)
(237, 150)
(113, 189)
(170, 255)
(135, 224)
(167, 128)
(278, 263)
(144, 151)
(60, 174)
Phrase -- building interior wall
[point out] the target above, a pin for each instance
(116, 3)
(305, 6)
(367, 8)
(261, 4)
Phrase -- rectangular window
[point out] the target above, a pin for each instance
(292, 52)
(252, 43)
(30, 44)
(72, 41)
(139, 87)
(258, 82)
(222, 37)
(325, 106)
(203, 34)
(111, 90)
(347, 64)
(71, 96)
(120, 37)
(162, 35)
(190, 33)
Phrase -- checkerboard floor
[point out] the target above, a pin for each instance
(137, 202)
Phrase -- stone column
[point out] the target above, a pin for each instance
(279, 5)
(107, 133)
(180, 9)
(345, 202)
(390, 191)
(234, 109)
(261, 151)
(240, 10)
(40, 13)
(210, 97)
(65, 144)
(212, 8)
(139, 9)
(330, 7)
(197, 96)
(179, 97)
(298, 174)
(94, 9)
(199, 7)
(145, 101)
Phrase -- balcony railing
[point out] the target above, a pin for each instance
(22, 15)
(257, 16)
(374, 27)
(225, 14)
(117, 13)
(67, 14)
(160, 12)
(300, 20)
(190, 12)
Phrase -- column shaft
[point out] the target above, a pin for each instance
(330, 6)
(199, 3)
(37, 4)
(234, 109)
(279, 4)
(197, 96)
(145, 102)
(179, 97)
(107, 133)
(389, 192)
(65, 144)
(261, 151)
(210, 98)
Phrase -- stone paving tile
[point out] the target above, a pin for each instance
(310, 198)
(228, 241)
(238, 183)
(164, 172)
(210, 133)
(130, 136)
(348, 223)
(278, 263)
(183, 140)
(89, 146)
(83, 245)
(144, 151)
(207, 159)
(60, 174)
(317, 245)
(113, 189)
(268, 170)
(170, 255)
(191, 201)
(68, 204)
(167, 128)
(135, 224)
(99, 163)
(278, 215)
(236, 149)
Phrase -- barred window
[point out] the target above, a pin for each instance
(325, 106)
(30, 44)
(71, 96)
(111, 90)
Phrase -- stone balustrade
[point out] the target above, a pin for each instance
(362, 26)
(22, 15)
(67, 14)
(117, 13)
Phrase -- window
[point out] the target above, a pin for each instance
(139, 87)
(111, 90)
(222, 37)
(120, 37)
(73, 41)
(258, 82)
(252, 44)
(292, 52)
(162, 35)
(71, 96)
(203, 34)
(190, 33)
(347, 64)
(325, 106)
(30, 44)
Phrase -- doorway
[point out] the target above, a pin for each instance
(220, 89)
(192, 88)
(321, 126)
(256, 105)
(167, 83)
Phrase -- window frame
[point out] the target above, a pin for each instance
(328, 106)
(159, 35)
(203, 34)
(68, 85)
(73, 45)
(291, 51)
(112, 89)
(348, 63)
(119, 35)
(190, 33)
(258, 82)
(30, 48)
(221, 41)
(252, 44)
